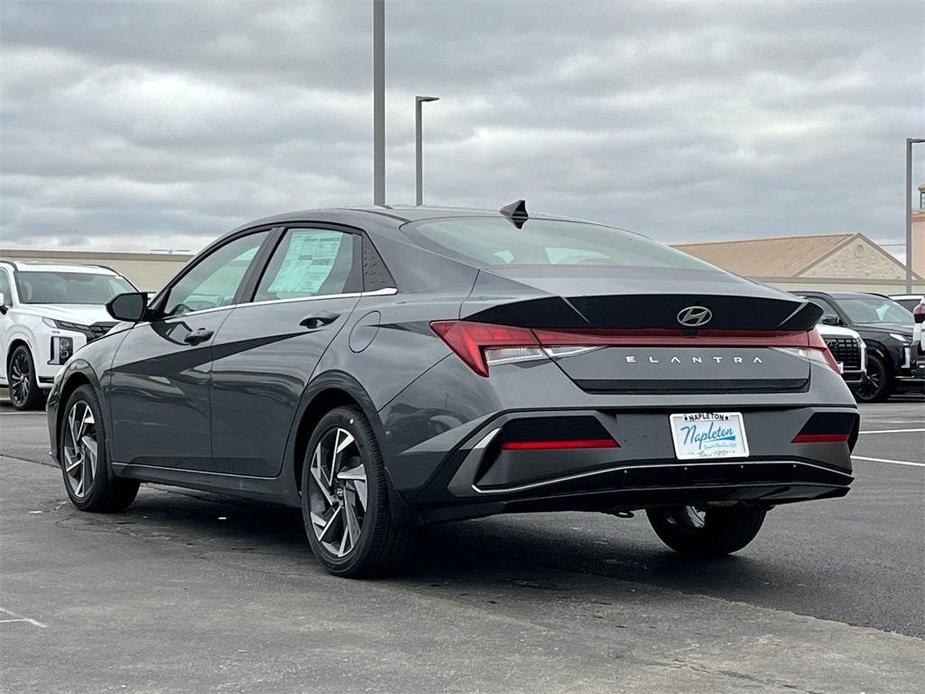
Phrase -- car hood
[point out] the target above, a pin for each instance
(886, 328)
(84, 314)
(836, 331)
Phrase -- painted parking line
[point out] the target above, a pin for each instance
(13, 617)
(891, 431)
(886, 460)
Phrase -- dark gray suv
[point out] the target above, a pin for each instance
(385, 368)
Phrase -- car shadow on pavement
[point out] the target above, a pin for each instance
(526, 551)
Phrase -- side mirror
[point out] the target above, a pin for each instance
(3, 306)
(831, 320)
(918, 313)
(130, 306)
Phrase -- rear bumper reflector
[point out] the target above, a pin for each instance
(820, 438)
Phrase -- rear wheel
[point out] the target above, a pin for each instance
(345, 499)
(25, 393)
(708, 532)
(84, 463)
(878, 384)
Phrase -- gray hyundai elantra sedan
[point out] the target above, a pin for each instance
(390, 367)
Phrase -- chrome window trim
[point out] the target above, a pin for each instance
(386, 291)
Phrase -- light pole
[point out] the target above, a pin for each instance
(909, 142)
(418, 155)
(379, 102)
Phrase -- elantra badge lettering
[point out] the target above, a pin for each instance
(634, 359)
(694, 316)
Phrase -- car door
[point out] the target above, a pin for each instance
(158, 385)
(267, 349)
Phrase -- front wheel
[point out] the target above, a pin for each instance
(712, 532)
(84, 463)
(345, 499)
(25, 393)
(878, 384)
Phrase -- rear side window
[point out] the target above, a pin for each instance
(312, 262)
(492, 241)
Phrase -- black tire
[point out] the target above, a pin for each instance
(25, 393)
(106, 493)
(711, 533)
(878, 385)
(383, 545)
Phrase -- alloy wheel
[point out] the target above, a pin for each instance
(872, 385)
(20, 378)
(81, 449)
(337, 491)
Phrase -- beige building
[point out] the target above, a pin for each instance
(830, 262)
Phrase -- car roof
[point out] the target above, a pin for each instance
(391, 216)
(34, 266)
(838, 295)
(856, 295)
(400, 214)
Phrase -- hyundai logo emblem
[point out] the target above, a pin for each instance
(694, 316)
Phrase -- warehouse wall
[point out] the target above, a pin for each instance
(147, 271)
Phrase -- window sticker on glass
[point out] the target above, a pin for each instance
(308, 263)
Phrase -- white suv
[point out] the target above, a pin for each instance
(48, 312)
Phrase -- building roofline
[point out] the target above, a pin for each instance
(846, 234)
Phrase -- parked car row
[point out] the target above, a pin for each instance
(895, 359)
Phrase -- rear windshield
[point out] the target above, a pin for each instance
(493, 241)
(48, 287)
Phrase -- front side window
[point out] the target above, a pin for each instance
(493, 241)
(58, 287)
(875, 309)
(214, 281)
(312, 262)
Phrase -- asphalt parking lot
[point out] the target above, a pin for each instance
(190, 591)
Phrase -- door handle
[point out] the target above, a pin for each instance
(319, 320)
(198, 335)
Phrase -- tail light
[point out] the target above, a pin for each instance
(481, 345)
(918, 313)
(817, 350)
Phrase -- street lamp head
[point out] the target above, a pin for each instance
(421, 99)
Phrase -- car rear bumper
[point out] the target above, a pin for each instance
(481, 476)
(447, 445)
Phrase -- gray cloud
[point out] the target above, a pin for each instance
(143, 124)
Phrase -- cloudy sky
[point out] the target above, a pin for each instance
(138, 125)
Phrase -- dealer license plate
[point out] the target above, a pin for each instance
(699, 435)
